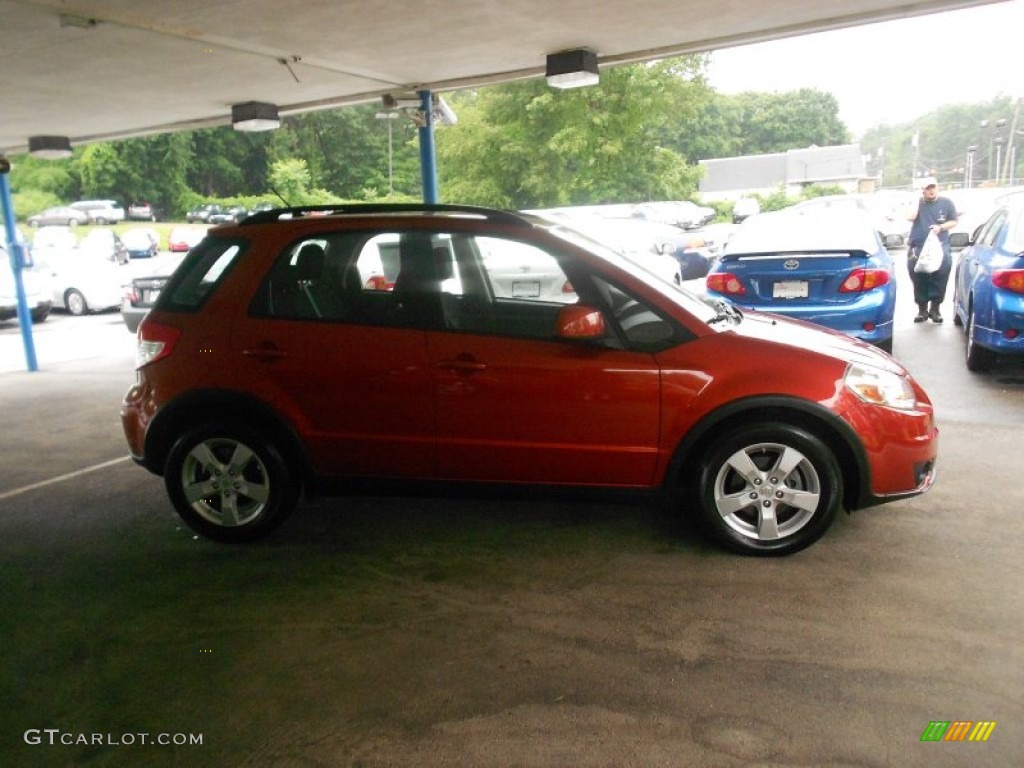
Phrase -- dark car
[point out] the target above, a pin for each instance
(988, 293)
(138, 299)
(234, 213)
(203, 213)
(273, 364)
(824, 266)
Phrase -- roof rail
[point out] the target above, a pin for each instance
(275, 214)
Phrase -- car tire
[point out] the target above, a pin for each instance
(40, 315)
(769, 489)
(885, 345)
(34, 224)
(75, 302)
(229, 483)
(978, 358)
(72, 222)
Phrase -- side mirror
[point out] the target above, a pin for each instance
(579, 322)
(959, 240)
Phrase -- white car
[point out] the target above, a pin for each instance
(81, 282)
(36, 296)
(643, 242)
(101, 211)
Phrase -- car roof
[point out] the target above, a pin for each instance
(800, 231)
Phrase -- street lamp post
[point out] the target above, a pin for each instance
(999, 158)
(969, 171)
(994, 128)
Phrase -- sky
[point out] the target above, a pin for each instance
(889, 72)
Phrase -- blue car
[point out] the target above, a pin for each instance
(988, 293)
(824, 266)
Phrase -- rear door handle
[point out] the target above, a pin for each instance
(266, 351)
(464, 364)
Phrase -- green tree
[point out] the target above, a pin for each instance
(775, 122)
(346, 150)
(528, 145)
(942, 140)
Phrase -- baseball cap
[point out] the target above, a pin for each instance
(929, 181)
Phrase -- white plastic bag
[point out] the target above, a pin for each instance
(930, 257)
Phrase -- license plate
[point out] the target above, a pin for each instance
(790, 289)
(529, 289)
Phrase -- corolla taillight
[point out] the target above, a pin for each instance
(1009, 279)
(861, 280)
(725, 282)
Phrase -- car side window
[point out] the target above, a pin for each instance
(197, 278)
(499, 286)
(991, 231)
(641, 326)
(385, 278)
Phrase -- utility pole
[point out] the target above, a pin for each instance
(1010, 154)
(914, 141)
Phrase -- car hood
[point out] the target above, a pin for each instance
(770, 327)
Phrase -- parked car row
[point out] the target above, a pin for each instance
(668, 249)
(91, 212)
(213, 213)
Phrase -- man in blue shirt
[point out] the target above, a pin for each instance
(934, 214)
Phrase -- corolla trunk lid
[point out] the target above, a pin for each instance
(816, 277)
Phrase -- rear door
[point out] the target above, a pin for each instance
(322, 343)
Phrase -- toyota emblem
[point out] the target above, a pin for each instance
(792, 264)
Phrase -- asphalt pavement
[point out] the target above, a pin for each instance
(496, 632)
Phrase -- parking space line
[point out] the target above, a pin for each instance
(61, 478)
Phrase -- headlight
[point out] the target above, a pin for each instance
(873, 385)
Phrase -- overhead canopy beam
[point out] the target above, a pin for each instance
(97, 70)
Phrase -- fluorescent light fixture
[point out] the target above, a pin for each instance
(572, 69)
(255, 116)
(49, 147)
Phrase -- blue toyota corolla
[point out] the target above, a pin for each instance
(988, 294)
(827, 267)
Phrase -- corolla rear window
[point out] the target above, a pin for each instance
(809, 231)
(200, 273)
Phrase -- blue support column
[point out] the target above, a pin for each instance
(428, 161)
(17, 259)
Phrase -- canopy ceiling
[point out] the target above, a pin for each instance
(102, 69)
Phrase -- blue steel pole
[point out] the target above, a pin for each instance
(17, 259)
(428, 162)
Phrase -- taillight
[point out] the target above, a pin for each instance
(864, 280)
(1009, 279)
(154, 341)
(725, 282)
